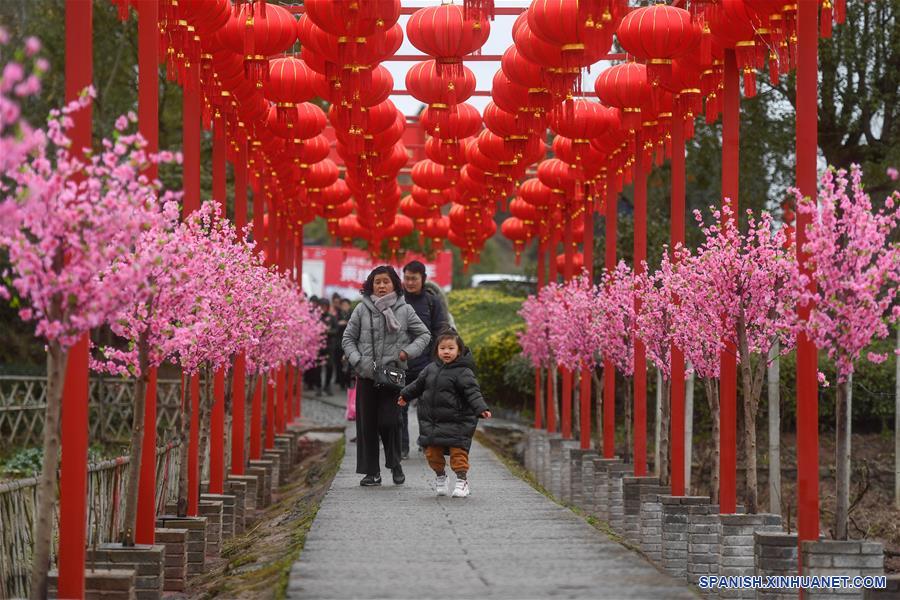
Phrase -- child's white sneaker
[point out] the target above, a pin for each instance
(462, 488)
(440, 485)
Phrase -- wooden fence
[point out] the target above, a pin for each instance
(23, 400)
(107, 482)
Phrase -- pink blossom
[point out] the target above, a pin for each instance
(893, 173)
(32, 46)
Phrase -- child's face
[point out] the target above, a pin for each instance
(448, 351)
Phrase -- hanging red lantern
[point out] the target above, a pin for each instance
(436, 229)
(302, 121)
(446, 33)
(290, 82)
(625, 86)
(439, 89)
(461, 121)
(354, 19)
(336, 91)
(584, 121)
(534, 192)
(579, 32)
(658, 34)
(414, 210)
(256, 34)
(518, 233)
(431, 176)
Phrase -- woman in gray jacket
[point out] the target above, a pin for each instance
(384, 329)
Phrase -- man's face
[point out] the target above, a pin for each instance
(412, 282)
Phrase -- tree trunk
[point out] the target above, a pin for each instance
(47, 484)
(205, 419)
(182, 504)
(774, 397)
(555, 399)
(629, 381)
(750, 402)
(664, 413)
(688, 431)
(656, 425)
(897, 422)
(576, 405)
(129, 520)
(598, 403)
(712, 397)
(842, 459)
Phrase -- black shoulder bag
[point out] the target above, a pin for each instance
(391, 378)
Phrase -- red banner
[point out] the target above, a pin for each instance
(337, 270)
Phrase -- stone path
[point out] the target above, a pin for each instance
(505, 541)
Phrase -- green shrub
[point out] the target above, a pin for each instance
(488, 321)
(24, 463)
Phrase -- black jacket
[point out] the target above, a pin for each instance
(431, 313)
(450, 403)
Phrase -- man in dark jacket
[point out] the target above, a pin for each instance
(431, 312)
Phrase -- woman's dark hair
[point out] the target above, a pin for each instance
(368, 288)
(416, 266)
(449, 334)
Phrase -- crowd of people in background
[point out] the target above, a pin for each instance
(332, 367)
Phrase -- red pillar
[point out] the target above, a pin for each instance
(217, 435)
(807, 358)
(270, 411)
(585, 392)
(79, 74)
(677, 390)
(238, 404)
(640, 357)
(566, 373)
(551, 392)
(538, 386)
(256, 421)
(731, 115)
(148, 124)
(299, 411)
(239, 378)
(609, 371)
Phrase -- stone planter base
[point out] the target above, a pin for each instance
(145, 561)
(736, 550)
(833, 557)
(238, 489)
(574, 488)
(250, 483)
(285, 455)
(634, 491)
(196, 539)
(213, 511)
(891, 592)
(105, 584)
(174, 559)
(676, 530)
(583, 497)
(775, 554)
(601, 486)
(228, 505)
(546, 459)
(263, 470)
(615, 495)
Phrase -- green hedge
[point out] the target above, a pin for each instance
(488, 322)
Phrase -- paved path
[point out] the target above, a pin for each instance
(505, 541)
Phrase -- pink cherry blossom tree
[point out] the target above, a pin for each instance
(67, 220)
(758, 286)
(616, 330)
(856, 276)
(535, 338)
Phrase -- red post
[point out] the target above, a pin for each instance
(238, 404)
(640, 356)
(148, 124)
(566, 373)
(676, 237)
(256, 421)
(731, 115)
(299, 247)
(538, 386)
(270, 411)
(807, 356)
(79, 74)
(219, 172)
(609, 371)
(551, 391)
(585, 393)
(194, 450)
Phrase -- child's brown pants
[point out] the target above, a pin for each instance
(459, 459)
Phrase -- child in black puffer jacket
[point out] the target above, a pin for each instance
(450, 405)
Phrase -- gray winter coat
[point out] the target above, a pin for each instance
(412, 337)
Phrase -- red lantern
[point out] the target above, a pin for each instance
(440, 89)
(256, 34)
(303, 121)
(571, 25)
(431, 176)
(518, 233)
(352, 18)
(436, 229)
(461, 121)
(449, 154)
(626, 87)
(290, 82)
(658, 34)
(524, 211)
(414, 210)
(445, 33)
(584, 121)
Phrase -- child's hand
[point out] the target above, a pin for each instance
(401, 401)
(486, 414)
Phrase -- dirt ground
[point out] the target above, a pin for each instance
(873, 513)
(256, 564)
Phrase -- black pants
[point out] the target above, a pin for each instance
(377, 416)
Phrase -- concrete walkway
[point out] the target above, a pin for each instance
(505, 541)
